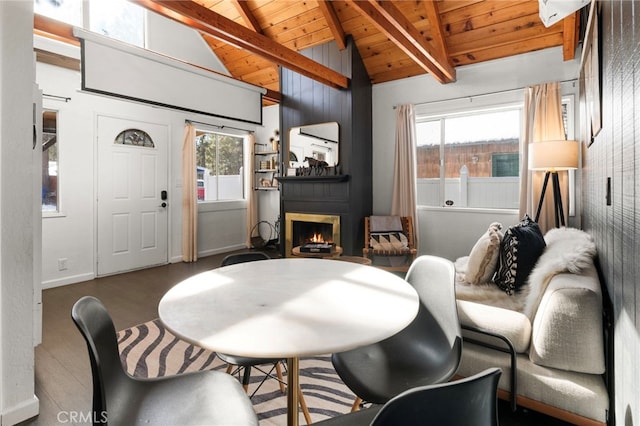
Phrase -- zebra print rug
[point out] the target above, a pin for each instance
(149, 350)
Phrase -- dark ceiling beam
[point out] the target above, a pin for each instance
(247, 15)
(392, 23)
(334, 23)
(216, 25)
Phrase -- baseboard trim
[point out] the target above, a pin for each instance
(211, 252)
(68, 280)
(21, 412)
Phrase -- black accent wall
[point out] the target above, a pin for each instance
(305, 101)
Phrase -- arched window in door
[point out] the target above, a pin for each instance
(135, 137)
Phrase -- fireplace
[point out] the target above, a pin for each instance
(303, 228)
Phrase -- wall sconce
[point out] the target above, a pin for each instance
(553, 156)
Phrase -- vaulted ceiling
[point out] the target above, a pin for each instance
(396, 39)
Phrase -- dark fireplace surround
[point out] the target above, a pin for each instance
(348, 196)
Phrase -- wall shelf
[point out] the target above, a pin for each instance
(313, 179)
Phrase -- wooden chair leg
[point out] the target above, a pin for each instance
(303, 406)
(280, 376)
(229, 368)
(356, 404)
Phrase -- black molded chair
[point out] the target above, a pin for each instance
(472, 401)
(245, 364)
(207, 397)
(426, 352)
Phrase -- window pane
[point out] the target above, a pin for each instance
(428, 162)
(472, 140)
(69, 11)
(219, 160)
(118, 19)
(50, 161)
(480, 156)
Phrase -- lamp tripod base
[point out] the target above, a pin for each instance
(557, 198)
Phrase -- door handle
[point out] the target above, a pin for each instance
(163, 205)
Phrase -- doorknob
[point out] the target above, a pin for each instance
(163, 205)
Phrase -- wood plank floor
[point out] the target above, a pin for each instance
(62, 371)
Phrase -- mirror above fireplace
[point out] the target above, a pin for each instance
(317, 141)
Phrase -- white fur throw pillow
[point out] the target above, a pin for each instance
(484, 256)
(568, 250)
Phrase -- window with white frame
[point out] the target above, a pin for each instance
(219, 166)
(50, 195)
(470, 157)
(118, 19)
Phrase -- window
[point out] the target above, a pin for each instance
(68, 11)
(220, 166)
(470, 159)
(50, 161)
(118, 19)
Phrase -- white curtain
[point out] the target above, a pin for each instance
(404, 169)
(252, 204)
(542, 122)
(189, 196)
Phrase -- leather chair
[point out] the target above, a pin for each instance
(464, 402)
(245, 364)
(207, 397)
(398, 258)
(426, 352)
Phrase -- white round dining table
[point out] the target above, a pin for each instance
(288, 308)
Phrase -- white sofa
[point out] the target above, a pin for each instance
(555, 327)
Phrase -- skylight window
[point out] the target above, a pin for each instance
(117, 19)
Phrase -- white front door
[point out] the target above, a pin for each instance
(132, 198)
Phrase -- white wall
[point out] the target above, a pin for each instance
(17, 214)
(71, 234)
(441, 232)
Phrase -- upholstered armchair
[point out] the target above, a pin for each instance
(389, 242)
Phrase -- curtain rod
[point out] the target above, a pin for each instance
(219, 126)
(573, 80)
(61, 98)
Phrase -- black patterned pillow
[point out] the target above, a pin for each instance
(520, 249)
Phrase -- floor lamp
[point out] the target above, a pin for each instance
(551, 157)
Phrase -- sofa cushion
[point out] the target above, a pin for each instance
(520, 249)
(483, 258)
(511, 324)
(578, 393)
(567, 329)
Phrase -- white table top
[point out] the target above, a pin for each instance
(284, 308)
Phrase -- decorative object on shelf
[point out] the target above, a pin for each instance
(275, 142)
(266, 164)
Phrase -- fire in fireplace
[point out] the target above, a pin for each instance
(318, 231)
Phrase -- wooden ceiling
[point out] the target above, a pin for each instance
(396, 39)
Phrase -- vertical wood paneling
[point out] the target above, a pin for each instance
(305, 101)
(615, 228)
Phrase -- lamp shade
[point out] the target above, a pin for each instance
(553, 155)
